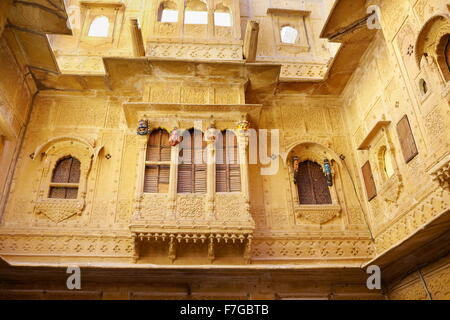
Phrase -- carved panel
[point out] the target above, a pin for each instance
(195, 51)
(190, 207)
(230, 207)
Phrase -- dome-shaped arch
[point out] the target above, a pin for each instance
(423, 40)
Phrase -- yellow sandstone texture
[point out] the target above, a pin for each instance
(366, 89)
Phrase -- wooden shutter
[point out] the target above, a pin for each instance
(304, 184)
(369, 181)
(156, 177)
(312, 184)
(228, 170)
(407, 142)
(151, 179)
(192, 176)
(319, 183)
(66, 171)
(61, 173)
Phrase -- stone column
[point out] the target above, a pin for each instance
(140, 166)
(210, 173)
(243, 144)
(173, 179)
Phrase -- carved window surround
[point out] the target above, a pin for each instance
(114, 11)
(376, 141)
(323, 213)
(49, 154)
(296, 19)
(191, 215)
(193, 33)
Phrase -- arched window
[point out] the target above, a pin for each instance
(65, 179)
(168, 12)
(312, 184)
(196, 12)
(157, 162)
(192, 167)
(288, 35)
(99, 27)
(443, 56)
(386, 163)
(222, 16)
(228, 170)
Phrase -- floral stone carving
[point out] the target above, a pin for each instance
(319, 214)
(59, 210)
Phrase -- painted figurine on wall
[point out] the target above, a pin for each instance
(142, 129)
(327, 172)
(175, 137)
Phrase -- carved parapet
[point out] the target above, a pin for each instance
(318, 214)
(59, 210)
(231, 224)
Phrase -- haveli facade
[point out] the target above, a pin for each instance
(99, 99)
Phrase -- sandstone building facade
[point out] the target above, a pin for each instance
(322, 126)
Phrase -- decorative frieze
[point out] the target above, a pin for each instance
(195, 51)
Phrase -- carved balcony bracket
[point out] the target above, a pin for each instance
(59, 210)
(318, 214)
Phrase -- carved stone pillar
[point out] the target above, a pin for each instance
(243, 144)
(142, 145)
(210, 175)
(173, 179)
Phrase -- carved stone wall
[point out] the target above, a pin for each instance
(429, 283)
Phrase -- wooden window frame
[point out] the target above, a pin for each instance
(313, 191)
(65, 185)
(373, 194)
(193, 166)
(226, 151)
(408, 156)
(158, 164)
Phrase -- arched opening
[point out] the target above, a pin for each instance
(65, 179)
(312, 184)
(443, 56)
(288, 35)
(99, 27)
(168, 12)
(196, 12)
(157, 162)
(222, 16)
(386, 163)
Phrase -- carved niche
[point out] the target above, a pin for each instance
(49, 154)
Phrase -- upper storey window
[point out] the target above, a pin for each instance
(99, 27)
(65, 179)
(222, 16)
(168, 12)
(228, 170)
(288, 35)
(192, 167)
(196, 12)
(312, 184)
(157, 162)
